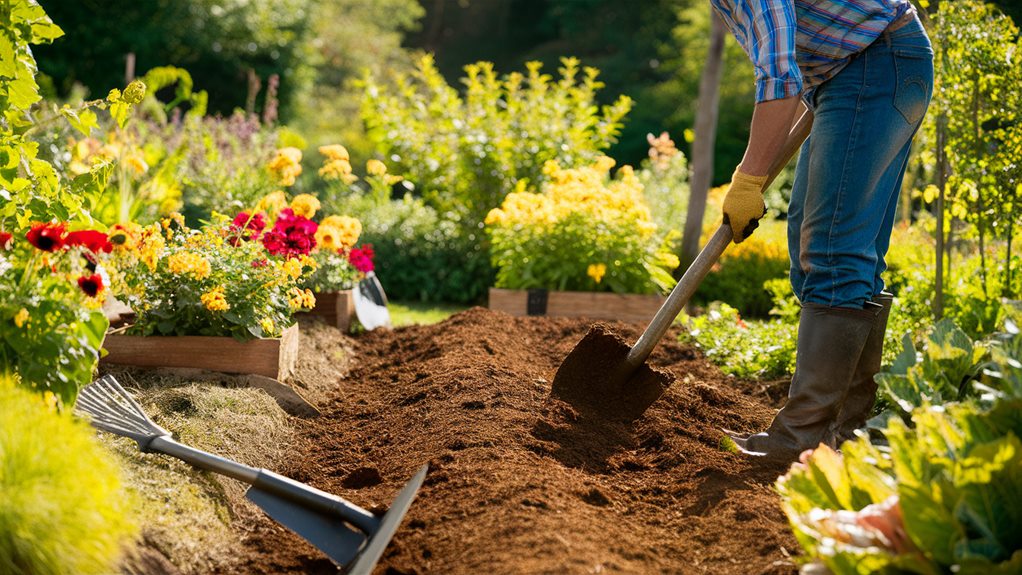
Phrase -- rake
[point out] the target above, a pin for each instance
(352, 537)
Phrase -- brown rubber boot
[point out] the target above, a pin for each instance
(862, 392)
(830, 343)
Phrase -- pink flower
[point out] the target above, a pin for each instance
(291, 236)
(246, 227)
(362, 258)
(5, 240)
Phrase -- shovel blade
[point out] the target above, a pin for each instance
(371, 303)
(327, 533)
(378, 541)
(595, 378)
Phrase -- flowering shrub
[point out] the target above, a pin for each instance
(51, 286)
(585, 231)
(230, 278)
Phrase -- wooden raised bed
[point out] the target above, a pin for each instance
(595, 305)
(271, 357)
(336, 308)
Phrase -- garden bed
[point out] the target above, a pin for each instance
(518, 482)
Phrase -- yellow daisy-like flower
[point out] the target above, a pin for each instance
(293, 268)
(21, 317)
(268, 328)
(189, 263)
(286, 166)
(124, 237)
(305, 205)
(150, 247)
(215, 300)
(328, 238)
(376, 168)
(335, 152)
(308, 262)
(597, 271)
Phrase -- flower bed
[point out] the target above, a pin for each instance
(594, 305)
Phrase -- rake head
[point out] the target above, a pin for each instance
(111, 409)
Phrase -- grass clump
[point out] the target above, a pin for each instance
(62, 505)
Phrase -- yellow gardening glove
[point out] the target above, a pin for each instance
(743, 204)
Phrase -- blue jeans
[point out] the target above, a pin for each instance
(850, 169)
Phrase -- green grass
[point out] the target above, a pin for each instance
(410, 313)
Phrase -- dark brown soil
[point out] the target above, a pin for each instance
(522, 483)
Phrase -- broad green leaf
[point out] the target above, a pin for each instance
(8, 57)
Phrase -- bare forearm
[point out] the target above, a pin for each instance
(771, 122)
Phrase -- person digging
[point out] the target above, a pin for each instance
(864, 69)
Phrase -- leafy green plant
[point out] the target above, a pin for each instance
(62, 505)
(744, 348)
(584, 232)
(943, 371)
(466, 152)
(942, 496)
(50, 288)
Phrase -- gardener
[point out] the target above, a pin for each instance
(864, 68)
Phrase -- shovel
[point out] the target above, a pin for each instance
(371, 303)
(603, 375)
(352, 537)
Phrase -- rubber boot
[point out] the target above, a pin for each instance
(830, 343)
(862, 392)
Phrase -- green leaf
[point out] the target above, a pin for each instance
(119, 112)
(83, 121)
(8, 59)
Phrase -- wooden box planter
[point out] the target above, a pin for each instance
(336, 308)
(633, 308)
(271, 357)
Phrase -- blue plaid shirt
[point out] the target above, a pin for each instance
(796, 45)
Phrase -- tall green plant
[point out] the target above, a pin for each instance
(466, 152)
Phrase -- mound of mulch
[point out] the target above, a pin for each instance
(522, 483)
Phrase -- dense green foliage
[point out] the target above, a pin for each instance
(943, 496)
(465, 153)
(62, 506)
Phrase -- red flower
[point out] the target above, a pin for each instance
(247, 227)
(5, 240)
(362, 259)
(91, 285)
(291, 236)
(91, 240)
(47, 237)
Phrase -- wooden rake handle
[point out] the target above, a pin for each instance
(709, 255)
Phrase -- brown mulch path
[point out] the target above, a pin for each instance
(520, 482)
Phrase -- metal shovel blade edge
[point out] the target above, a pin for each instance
(371, 303)
(373, 550)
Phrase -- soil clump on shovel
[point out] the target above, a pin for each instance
(523, 483)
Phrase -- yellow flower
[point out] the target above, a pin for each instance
(604, 163)
(272, 203)
(125, 236)
(305, 205)
(335, 152)
(21, 317)
(189, 263)
(376, 168)
(495, 216)
(550, 167)
(215, 300)
(151, 246)
(268, 328)
(337, 170)
(347, 229)
(293, 268)
(308, 262)
(285, 167)
(328, 238)
(597, 271)
(301, 299)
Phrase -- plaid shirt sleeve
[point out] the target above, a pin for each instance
(766, 30)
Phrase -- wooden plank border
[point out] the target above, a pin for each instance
(632, 308)
(271, 357)
(336, 308)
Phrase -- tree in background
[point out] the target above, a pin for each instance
(218, 41)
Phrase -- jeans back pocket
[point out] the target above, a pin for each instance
(914, 89)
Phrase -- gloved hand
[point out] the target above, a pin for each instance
(743, 204)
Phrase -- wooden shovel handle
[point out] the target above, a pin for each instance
(709, 255)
